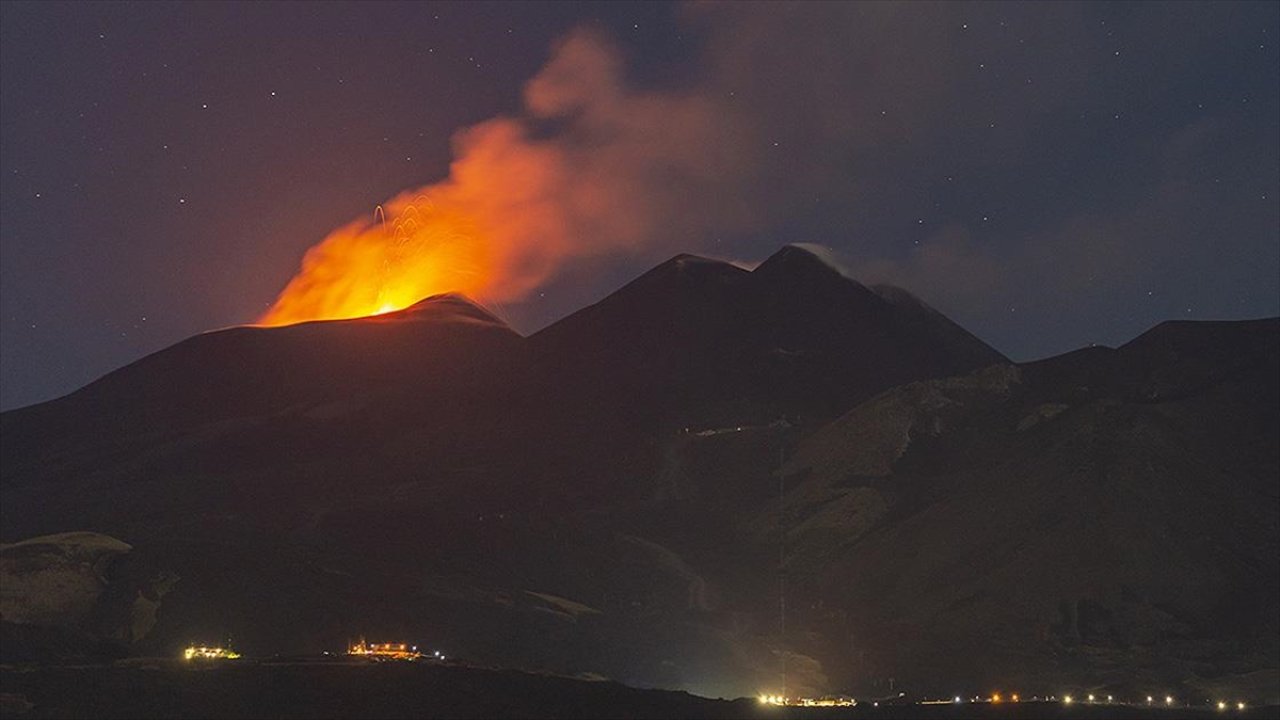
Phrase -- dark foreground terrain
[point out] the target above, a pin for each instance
(171, 689)
(620, 494)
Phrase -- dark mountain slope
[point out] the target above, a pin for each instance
(429, 472)
(1110, 516)
(708, 343)
(593, 498)
(317, 369)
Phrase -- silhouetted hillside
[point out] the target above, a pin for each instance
(603, 497)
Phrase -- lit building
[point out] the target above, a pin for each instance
(200, 652)
(808, 702)
(384, 651)
(828, 702)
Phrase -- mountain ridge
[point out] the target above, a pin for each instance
(627, 459)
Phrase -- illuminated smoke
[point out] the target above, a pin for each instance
(623, 172)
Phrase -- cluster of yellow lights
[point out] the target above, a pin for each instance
(995, 697)
(201, 652)
(1169, 701)
(401, 651)
(807, 702)
(827, 702)
(385, 651)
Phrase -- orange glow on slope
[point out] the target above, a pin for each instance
(493, 230)
(373, 267)
(624, 170)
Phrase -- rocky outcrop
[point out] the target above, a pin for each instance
(76, 594)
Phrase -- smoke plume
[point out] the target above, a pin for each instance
(590, 169)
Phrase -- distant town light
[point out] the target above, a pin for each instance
(957, 699)
(1168, 699)
(1239, 706)
(1066, 700)
(201, 652)
(1090, 697)
(1222, 705)
(383, 651)
(827, 701)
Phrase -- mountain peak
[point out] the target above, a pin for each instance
(687, 263)
(445, 307)
(805, 262)
(681, 274)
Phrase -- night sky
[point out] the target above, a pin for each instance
(1049, 175)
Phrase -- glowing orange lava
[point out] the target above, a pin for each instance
(377, 266)
(519, 204)
(495, 229)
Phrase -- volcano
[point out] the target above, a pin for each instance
(610, 495)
